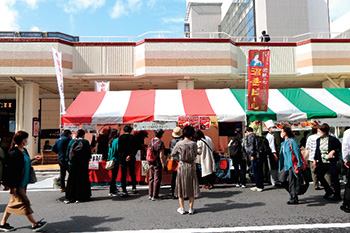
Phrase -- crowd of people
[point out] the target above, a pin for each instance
(194, 153)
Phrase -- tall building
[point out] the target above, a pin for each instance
(244, 20)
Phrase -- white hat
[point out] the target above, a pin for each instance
(269, 124)
(177, 132)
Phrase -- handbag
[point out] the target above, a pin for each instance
(33, 178)
(172, 165)
(295, 161)
(110, 165)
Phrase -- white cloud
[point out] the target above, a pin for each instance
(135, 5)
(151, 3)
(74, 6)
(338, 8)
(8, 16)
(173, 20)
(35, 29)
(118, 10)
(32, 3)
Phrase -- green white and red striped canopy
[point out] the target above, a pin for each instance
(116, 107)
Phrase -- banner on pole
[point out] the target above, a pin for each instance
(57, 58)
(258, 80)
(101, 86)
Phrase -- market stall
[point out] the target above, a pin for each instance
(227, 105)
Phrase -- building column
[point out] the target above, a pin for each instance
(185, 83)
(30, 110)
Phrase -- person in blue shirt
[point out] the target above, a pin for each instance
(288, 148)
(60, 147)
(113, 155)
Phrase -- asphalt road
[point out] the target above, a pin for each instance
(225, 206)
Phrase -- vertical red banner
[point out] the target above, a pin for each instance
(258, 80)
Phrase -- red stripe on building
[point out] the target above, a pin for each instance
(196, 103)
(83, 107)
(140, 107)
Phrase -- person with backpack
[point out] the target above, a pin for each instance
(113, 155)
(327, 153)
(256, 161)
(79, 155)
(272, 158)
(177, 136)
(60, 148)
(265, 37)
(128, 146)
(156, 148)
(16, 177)
(206, 158)
(289, 148)
(238, 159)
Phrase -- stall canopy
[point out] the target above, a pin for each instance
(227, 104)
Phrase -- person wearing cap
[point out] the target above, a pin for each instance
(127, 147)
(177, 136)
(156, 167)
(272, 158)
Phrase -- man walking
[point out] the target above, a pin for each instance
(272, 158)
(255, 159)
(127, 146)
(60, 147)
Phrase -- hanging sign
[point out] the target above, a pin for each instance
(258, 80)
(57, 58)
(197, 122)
(102, 86)
(154, 125)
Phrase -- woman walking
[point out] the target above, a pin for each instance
(113, 155)
(156, 167)
(289, 148)
(325, 161)
(17, 176)
(186, 181)
(205, 151)
(78, 184)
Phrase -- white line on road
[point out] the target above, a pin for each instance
(241, 229)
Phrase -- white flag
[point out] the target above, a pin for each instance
(101, 86)
(57, 58)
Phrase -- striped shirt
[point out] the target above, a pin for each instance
(311, 146)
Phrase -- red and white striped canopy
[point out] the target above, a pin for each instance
(152, 105)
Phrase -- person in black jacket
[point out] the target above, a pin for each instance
(327, 153)
(255, 158)
(17, 175)
(60, 147)
(238, 159)
(127, 146)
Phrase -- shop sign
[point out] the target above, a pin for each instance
(8, 105)
(151, 125)
(89, 128)
(258, 80)
(73, 127)
(36, 127)
(197, 122)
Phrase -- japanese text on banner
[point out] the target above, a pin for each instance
(57, 58)
(258, 80)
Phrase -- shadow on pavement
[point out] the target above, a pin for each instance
(316, 201)
(2, 208)
(227, 205)
(216, 195)
(81, 224)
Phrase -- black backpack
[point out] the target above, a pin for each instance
(263, 147)
(267, 38)
(76, 150)
(235, 149)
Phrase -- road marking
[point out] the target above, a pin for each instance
(240, 229)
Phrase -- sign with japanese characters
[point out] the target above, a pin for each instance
(258, 80)
(102, 86)
(57, 58)
(197, 122)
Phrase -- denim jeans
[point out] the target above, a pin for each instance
(258, 173)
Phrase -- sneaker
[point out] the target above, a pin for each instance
(254, 189)
(39, 225)
(327, 195)
(68, 201)
(125, 194)
(259, 189)
(237, 185)
(181, 211)
(6, 227)
(153, 198)
(113, 194)
(243, 186)
(191, 211)
(134, 191)
(150, 197)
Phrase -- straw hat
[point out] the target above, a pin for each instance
(177, 132)
(269, 124)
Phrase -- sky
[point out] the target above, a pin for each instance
(104, 17)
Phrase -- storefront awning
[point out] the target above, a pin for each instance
(117, 107)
